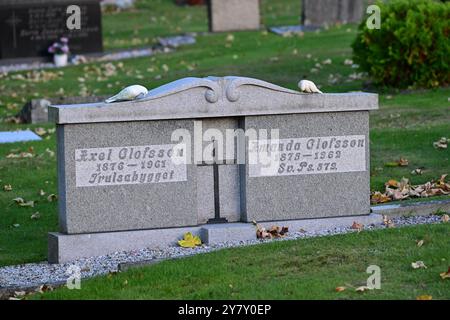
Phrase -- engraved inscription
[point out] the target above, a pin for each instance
(313, 155)
(130, 165)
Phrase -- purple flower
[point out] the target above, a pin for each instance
(65, 49)
(60, 47)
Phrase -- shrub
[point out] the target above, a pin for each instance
(412, 48)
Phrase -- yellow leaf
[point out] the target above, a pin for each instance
(189, 241)
(424, 297)
(392, 183)
(420, 243)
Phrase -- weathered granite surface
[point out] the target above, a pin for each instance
(330, 12)
(321, 194)
(121, 206)
(233, 15)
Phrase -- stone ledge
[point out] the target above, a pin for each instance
(217, 233)
(64, 248)
(415, 208)
(313, 225)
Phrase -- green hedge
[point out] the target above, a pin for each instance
(412, 47)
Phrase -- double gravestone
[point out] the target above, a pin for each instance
(29, 27)
(198, 148)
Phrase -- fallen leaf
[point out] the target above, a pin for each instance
(424, 297)
(19, 294)
(420, 243)
(16, 225)
(340, 289)
(357, 226)
(348, 62)
(44, 288)
(35, 216)
(388, 222)
(418, 265)
(362, 289)
(445, 218)
(18, 200)
(40, 131)
(445, 275)
(417, 172)
(392, 183)
(230, 37)
(7, 187)
(52, 197)
(403, 162)
(41, 192)
(189, 241)
(441, 143)
(378, 197)
(27, 204)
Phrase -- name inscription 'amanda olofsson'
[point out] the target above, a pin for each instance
(129, 165)
(313, 155)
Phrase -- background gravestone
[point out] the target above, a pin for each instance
(329, 12)
(36, 110)
(29, 27)
(233, 15)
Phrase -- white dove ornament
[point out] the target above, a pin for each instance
(308, 87)
(129, 94)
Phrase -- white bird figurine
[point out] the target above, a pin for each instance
(129, 93)
(308, 87)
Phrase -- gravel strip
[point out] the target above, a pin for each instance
(36, 274)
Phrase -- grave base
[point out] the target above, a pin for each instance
(64, 248)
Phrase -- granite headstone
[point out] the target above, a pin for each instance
(117, 168)
(233, 15)
(330, 12)
(29, 27)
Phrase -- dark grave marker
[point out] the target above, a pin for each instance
(29, 27)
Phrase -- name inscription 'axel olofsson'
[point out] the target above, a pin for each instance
(313, 155)
(129, 165)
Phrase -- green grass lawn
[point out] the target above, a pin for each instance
(157, 18)
(300, 269)
(406, 125)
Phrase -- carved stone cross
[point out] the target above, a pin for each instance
(14, 21)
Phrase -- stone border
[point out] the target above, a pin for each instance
(65, 248)
(415, 208)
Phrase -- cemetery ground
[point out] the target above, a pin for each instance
(301, 269)
(406, 126)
